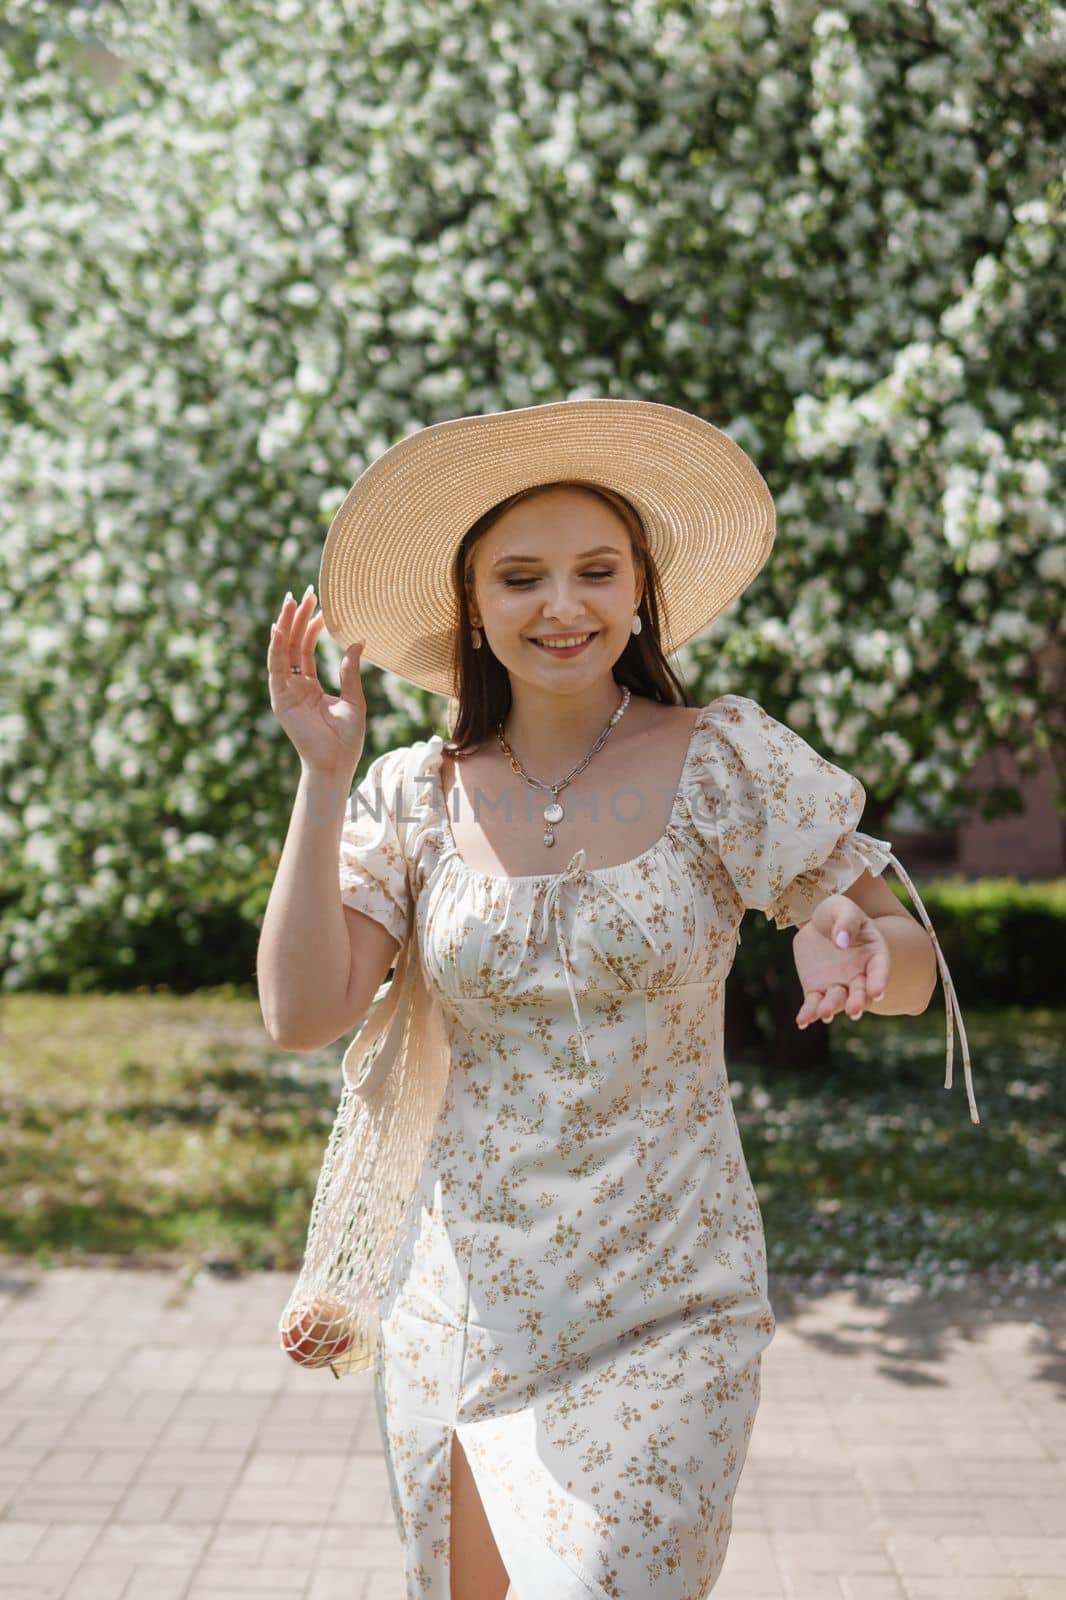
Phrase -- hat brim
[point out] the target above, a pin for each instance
(386, 569)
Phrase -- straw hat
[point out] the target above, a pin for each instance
(386, 571)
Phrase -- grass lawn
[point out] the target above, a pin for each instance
(165, 1131)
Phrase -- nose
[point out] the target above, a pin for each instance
(563, 604)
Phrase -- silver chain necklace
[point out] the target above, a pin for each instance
(553, 812)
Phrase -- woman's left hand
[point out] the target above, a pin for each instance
(836, 978)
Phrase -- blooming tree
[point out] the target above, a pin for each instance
(248, 244)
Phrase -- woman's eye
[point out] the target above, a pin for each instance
(520, 583)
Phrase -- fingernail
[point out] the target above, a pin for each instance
(843, 938)
(288, 594)
(309, 590)
(880, 996)
(801, 1026)
(273, 629)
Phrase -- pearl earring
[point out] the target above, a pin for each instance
(636, 625)
(475, 638)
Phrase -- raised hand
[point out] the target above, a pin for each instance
(327, 729)
(835, 978)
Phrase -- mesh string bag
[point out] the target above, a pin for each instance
(394, 1074)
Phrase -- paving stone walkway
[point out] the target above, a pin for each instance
(156, 1444)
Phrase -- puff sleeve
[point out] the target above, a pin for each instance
(373, 868)
(782, 818)
(784, 823)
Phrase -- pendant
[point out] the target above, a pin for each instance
(552, 813)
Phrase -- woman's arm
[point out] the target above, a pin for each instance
(912, 975)
(886, 953)
(303, 964)
(913, 970)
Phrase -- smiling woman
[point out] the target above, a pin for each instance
(567, 1339)
(563, 560)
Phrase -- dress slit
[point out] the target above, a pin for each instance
(453, 1441)
(534, 1569)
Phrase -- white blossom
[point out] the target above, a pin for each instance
(233, 276)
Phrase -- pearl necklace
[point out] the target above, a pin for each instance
(553, 812)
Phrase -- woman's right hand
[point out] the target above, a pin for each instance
(328, 730)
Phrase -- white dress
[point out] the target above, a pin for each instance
(581, 1293)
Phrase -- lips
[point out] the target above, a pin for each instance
(561, 649)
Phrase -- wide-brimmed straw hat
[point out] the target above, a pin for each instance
(387, 564)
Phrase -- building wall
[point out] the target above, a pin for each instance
(1031, 846)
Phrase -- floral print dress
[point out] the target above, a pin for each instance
(581, 1290)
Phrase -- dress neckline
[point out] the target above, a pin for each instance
(451, 849)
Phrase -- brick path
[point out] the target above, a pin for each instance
(155, 1444)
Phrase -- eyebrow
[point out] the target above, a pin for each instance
(598, 550)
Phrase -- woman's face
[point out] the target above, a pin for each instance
(559, 564)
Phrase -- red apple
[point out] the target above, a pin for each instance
(317, 1333)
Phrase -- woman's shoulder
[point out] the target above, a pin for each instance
(407, 761)
(736, 736)
(727, 718)
(740, 755)
(730, 710)
(739, 723)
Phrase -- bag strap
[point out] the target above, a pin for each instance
(411, 771)
(381, 1031)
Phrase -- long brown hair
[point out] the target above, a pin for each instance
(484, 687)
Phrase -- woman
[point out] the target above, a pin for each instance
(567, 1372)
